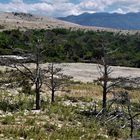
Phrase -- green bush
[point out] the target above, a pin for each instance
(50, 127)
(30, 121)
(27, 133)
(8, 120)
(15, 103)
(113, 130)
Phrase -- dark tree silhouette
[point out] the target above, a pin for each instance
(107, 83)
(56, 81)
(36, 75)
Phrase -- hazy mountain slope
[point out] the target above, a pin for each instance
(28, 21)
(130, 21)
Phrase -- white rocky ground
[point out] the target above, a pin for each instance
(88, 72)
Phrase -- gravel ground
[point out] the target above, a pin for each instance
(89, 72)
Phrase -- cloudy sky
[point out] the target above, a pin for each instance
(59, 8)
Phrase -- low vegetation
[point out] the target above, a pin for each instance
(72, 116)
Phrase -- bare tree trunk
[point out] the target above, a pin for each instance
(132, 127)
(52, 81)
(105, 80)
(131, 121)
(52, 101)
(37, 90)
(37, 81)
(104, 100)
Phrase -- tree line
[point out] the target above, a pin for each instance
(66, 45)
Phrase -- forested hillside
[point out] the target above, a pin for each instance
(63, 45)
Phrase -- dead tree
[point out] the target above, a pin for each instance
(131, 118)
(56, 81)
(105, 81)
(122, 99)
(105, 70)
(36, 75)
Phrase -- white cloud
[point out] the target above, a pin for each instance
(119, 10)
(91, 5)
(66, 7)
(121, 6)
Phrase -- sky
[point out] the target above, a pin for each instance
(61, 8)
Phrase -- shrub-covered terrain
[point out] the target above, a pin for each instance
(71, 117)
(74, 46)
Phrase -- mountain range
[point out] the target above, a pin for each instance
(129, 21)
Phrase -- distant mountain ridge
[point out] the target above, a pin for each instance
(129, 21)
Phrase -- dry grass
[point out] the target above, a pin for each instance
(94, 91)
(135, 95)
(85, 90)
